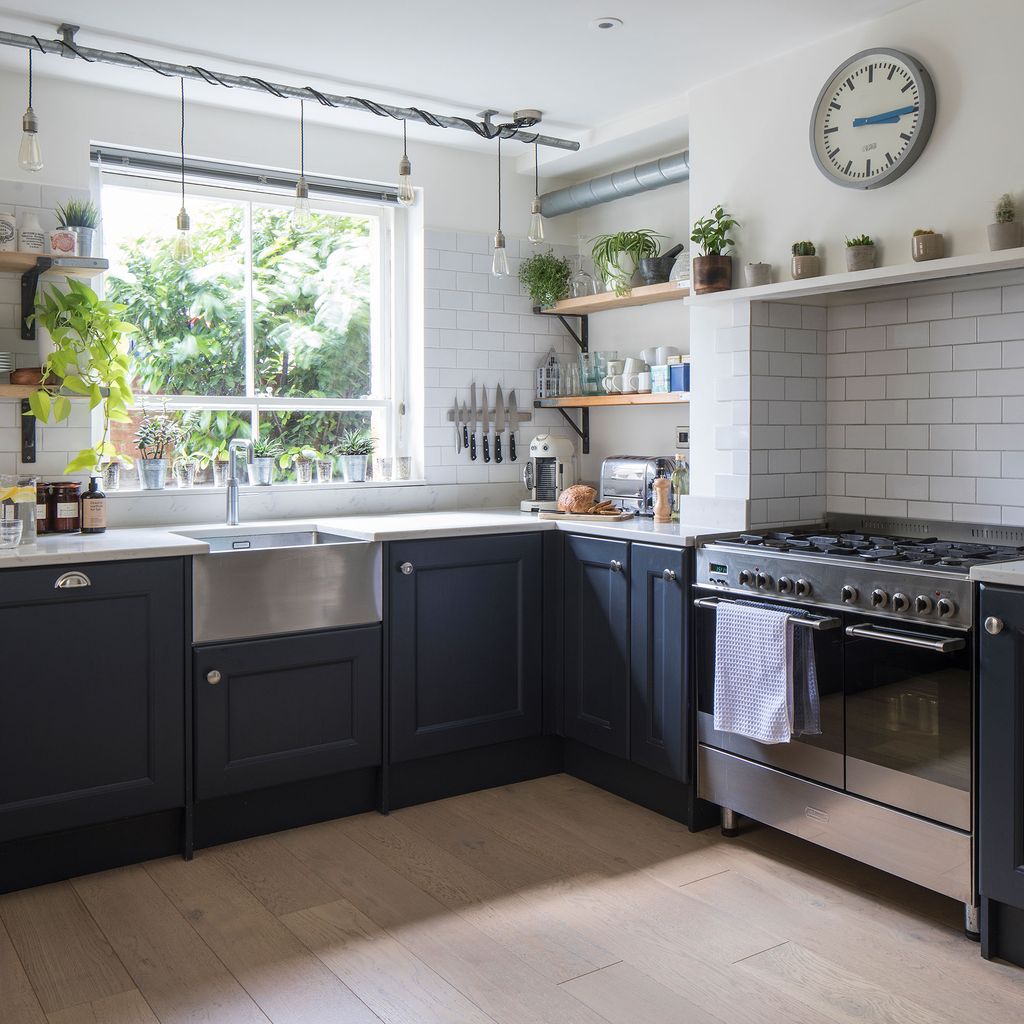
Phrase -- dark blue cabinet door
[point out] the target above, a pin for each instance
(465, 643)
(92, 694)
(1001, 748)
(286, 709)
(658, 659)
(597, 643)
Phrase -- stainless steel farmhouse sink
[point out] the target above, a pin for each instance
(268, 581)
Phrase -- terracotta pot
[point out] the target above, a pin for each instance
(927, 247)
(1004, 236)
(860, 257)
(27, 375)
(805, 266)
(711, 274)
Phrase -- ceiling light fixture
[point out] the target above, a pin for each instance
(301, 214)
(606, 24)
(536, 233)
(30, 157)
(499, 265)
(406, 195)
(183, 239)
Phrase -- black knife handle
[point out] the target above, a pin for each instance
(497, 448)
(472, 446)
(465, 436)
(512, 446)
(487, 448)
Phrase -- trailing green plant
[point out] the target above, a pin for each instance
(859, 240)
(356, 442)
(1006, 209)
(638, 245)
(712, 233)
(923, 231)
(78, 213)
(90, 359)
(804, 249)
(293, 455)
(266, 448)
(546, 277)
(158, 436)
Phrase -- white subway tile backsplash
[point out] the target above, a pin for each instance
(947, 488)
(899, 486)
(953, 332)
(1001, 382)
(888, 411)
(872, 436)
(1005, 327)
(885, 461)
(848, 364)
(865, 339)
(930, 510)
(892, 311)
(907, 336)
(962, 383)
(783, 314)
(980, 357)
(911, 436)
(1013, 298)
(930, 307)
(909, 385)
(979, 410)
(1001, 492)
(920, 463)
(856, 388)
(978, 302)
(846, 460)
(924, 360)
(930, 410)
(953, 436)
(888, 362)
(1000, 437)
(842, 317)
(976, 464)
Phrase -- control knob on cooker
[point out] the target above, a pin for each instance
(879, 598)
(785, 585)
(803, 588)
(746, 577)
(945, 607)
(763, 580)
(923, 604)
(849, 594)
(900, 602)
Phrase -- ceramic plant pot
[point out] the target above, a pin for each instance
(806, 266)
(152, 474)
(927, 247)
(757, 274)
(85, 238)
(261, 472)
(711, 274)
(353, 468)
(860, 257)
(1004, 236)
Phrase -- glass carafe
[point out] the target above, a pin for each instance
(581, 284)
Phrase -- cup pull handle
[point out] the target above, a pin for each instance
(70, 580)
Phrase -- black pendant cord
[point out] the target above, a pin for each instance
(405, 139)
(499, 184)
(302, 139)
(30, 79)
(182, 140)
(536, 169)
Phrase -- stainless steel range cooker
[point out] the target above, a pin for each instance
(890, 779)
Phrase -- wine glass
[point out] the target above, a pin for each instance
(581, 284)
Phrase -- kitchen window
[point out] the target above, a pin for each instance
(270, 328)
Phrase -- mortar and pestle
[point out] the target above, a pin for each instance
(656, 269)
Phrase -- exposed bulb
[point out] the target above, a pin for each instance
(499, 265)
(183, 240)
(30, 156)
(406, 196)
(536, 232)
(301, 214)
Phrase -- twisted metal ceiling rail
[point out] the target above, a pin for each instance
(485, 129)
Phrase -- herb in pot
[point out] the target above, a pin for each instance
(546, 277)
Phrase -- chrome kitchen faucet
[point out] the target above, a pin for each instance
(232, 494)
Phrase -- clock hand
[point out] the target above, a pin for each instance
(889, 117)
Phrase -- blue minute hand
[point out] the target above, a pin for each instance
(889, 117)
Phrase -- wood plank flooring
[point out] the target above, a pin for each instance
(549, 902)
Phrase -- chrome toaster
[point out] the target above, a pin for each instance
(628, 480)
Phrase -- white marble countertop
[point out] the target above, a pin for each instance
(1009, 574)
(170, 541)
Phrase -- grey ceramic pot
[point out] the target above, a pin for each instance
(757, 274)
(85, 239)
(927, 247)
(805, 266)
(261, 472)
(1004, 236)
(152, 474)
(860, 257)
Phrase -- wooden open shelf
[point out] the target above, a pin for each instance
(642, 296)
(75, 266)
(592, 401)
(17, 390)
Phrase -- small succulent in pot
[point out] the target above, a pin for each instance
(712, 268)
(806, 262)
(354, 449)
(546, 277)
(81, 217)
(157, 438)
(1005, 233)
(860, 253)
(927, 245)
(265, 453)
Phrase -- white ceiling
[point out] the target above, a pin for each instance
(621, 93)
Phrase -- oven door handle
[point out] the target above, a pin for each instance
(817, 623)
(943, 646)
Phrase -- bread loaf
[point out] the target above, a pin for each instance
(578, 498)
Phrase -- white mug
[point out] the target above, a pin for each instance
(630, 383)
(633, 365)
(643, 382)
(663, 352)
(613, 384)
(649, 355)
(615, 366)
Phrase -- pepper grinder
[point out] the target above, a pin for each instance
(662, 504)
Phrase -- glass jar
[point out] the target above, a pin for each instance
(44, 521)
(66, 496)
(18, 504)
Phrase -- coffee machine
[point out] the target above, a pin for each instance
(550, 469)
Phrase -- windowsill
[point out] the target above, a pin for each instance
(178, 492)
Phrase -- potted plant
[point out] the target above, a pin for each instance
(757, 274)
(111, 470)
(860, 253)
(302, 459)
(617, 257)
(712, 268)
(805, 261)
(89, 358)
(927, 245)
(355, 448)
(323, 459)
(546, 277)
(186, 465)
(156, 438)
(81, 218)
(265, 453)
(1005, 232)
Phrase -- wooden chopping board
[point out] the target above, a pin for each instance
(583, 517)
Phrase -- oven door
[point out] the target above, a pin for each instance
(818, 758)
(909, 718)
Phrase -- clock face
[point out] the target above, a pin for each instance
(872, 119)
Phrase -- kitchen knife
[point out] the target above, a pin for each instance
(472, 421)
(464, 419)
(513, 424)
(458, 425)
(499, 423)
(486, 427)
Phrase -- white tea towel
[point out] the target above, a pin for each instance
(753, 672)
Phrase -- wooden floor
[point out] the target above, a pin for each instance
(549, 901)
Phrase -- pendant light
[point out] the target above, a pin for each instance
(499, 265)
(301, 215)
(30, 157)
(406, 196)
(536, 233)
(183, 239)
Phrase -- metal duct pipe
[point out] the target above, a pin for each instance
(641, 178)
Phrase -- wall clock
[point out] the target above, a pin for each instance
(872, 118)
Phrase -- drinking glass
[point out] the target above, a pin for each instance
(10, 533)
(570, 379)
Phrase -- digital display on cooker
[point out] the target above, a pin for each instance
(722, 569)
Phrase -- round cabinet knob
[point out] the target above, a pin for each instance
(849, 595)
(923, 604)
(746, 577)
(803, 588)
(900, 602)
(785, 585)
(763, 580)
(406, 568)
(615, 566)
(879, 598)
(213, 677)
(994, 625)
(668, 575)
(945, 607)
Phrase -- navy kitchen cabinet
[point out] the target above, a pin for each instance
(596, 637)
(92, 694)
(465, 643)
(659, 583)
(286, 709)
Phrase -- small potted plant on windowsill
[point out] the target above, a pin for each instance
(323, 459)
(302, 459)
(546, 277)
(265, 453)
(927, 245)
(156, 438)
(860, 253)
(81, 218)
(805, 261)
(1005, 233)
(354, 450)
(712, 269)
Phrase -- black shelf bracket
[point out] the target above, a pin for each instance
(28, 433)
(583, 430)
(29, 286)
(582, 336)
